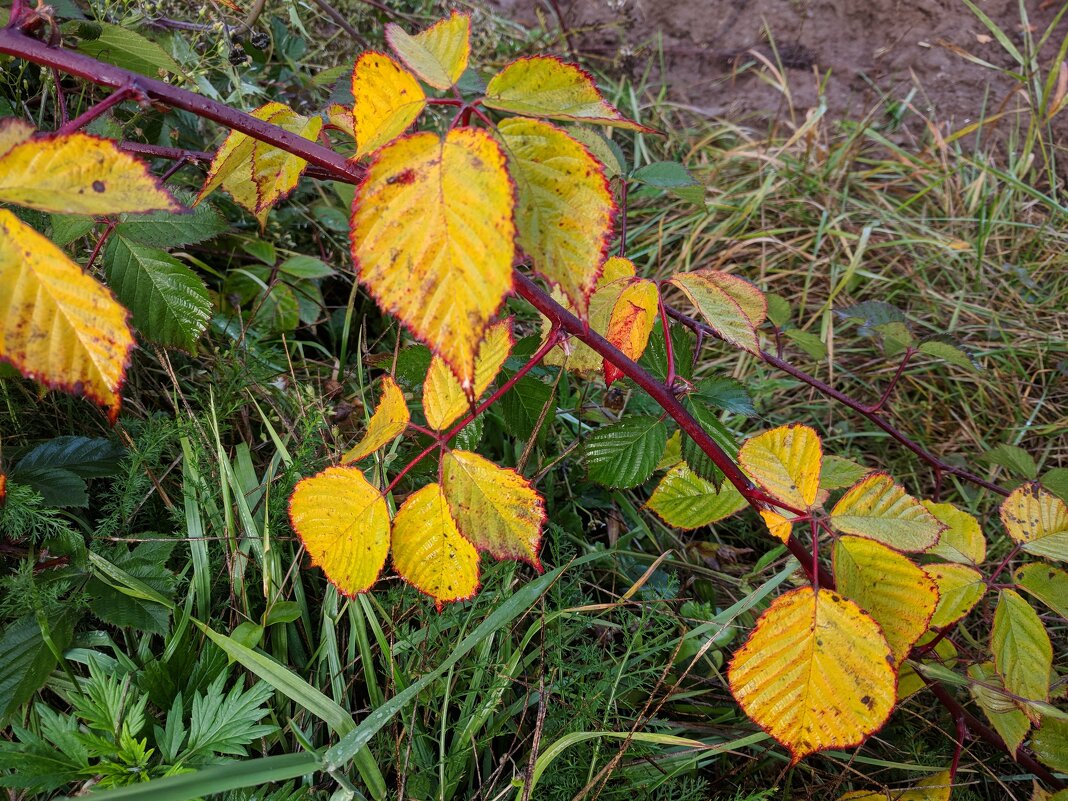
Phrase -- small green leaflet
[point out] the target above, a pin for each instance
(626, 453)
(165, 229)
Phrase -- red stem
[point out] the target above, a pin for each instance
(668, 344)
(99, 244)
(893, 382)
(94, 111)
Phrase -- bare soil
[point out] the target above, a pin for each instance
(720, 57)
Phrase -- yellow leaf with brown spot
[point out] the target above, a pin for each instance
(387, 100)
(960, 588)
(58, 325)
(878, 508)
(936, 787)
(495, 508)
(13, 131)
(899, 595)
(343, 522)
(786, 462)
(1038, 520)
(631, 323)
(388, 422)
(428, 550)
(76, 174)
(444, 399)
(545, 86)
(962, 541)
(733, 307)
(439, 54)
(433, 239)
(815, 673)
(564, 209)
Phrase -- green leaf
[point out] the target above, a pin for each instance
(283, 612)
(68, 227)
(26, 660)
(413, 363)
(57, 469)
(625, 454)
(1014, 459)
(699, 462)
(998, 706)
(523, 404)
(839, 473)
(654, 359)
(169, 302)
(872, 313)
(1046, 583)
(1050, 744)
(1023, 654)
(779, 310)
(685, 500)
(225, 723)
(169, 230)
(672, 176)
(809, 343)
(305, 268)
(1056, 481)
(124, 48)
(146, 563)
(605, 150)
(727, 394)
(948, 352)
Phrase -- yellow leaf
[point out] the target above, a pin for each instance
(388, 99)
(275, 171)
(989, 693)
(900, 596)
(959, 589)
(579, 357)
(495, 508)
(386, 424)
(13, 131)
(909, 681)
(962, 541)
(433, 239)
(443, 397)
(428, 551)
(543, 86)
(236, 150)
(1038, 520)
(672, 452)
(779, 526)
(564, 208)
(341, 117)
(439, 54)
(1023, 654)
(631, 323)
(58, 325)
(877, 508)
(732, 306)
(786, 462)
(936, 787)
(815, 673)
(685, 500)
(343, 522)
(76, 174)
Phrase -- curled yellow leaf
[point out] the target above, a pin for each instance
(439, 54)
(631, 323)
(58, 325)
(388, 422)
(387, 100)
(444, 400)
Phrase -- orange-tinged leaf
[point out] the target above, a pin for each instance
(732, 306)
(444, 399)
(77, 174)
(3, 488)
(495, 508)
(343, 522)
(815, 673)
(387, 101)
(962, 540)
(564, 208)
(900, 596)
(235, 153)
(58, 325)
(388, 422)
(432, 238)
(631, 323)
(878, 508)
(577, 356)
(543, 86)
(786, 462)
(936, 787)
(685, 500)
(275, 171)
(428, 550)
(13, 131)
(1038, 520)
(439, 54)
(959, 589)
(779, 526)
(1023, 653)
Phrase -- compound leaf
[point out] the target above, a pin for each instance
(900, 596)
(1023, 654)
(543, 86)
(815, 673)
(564, 208)
(59, 326)
(631, 323)
(1046, 583)
(1038, 520)
(387, 100)
(78, 174)
(495, 508)
(878, 508)
(428, 550)
(343, 522)
(432, 238)
(786, 462)
(625, 454)
(439, 54)
(959, 589)
(444, 400)
(733, 307)
(685, 500)
(962, 540)
(388, 422)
